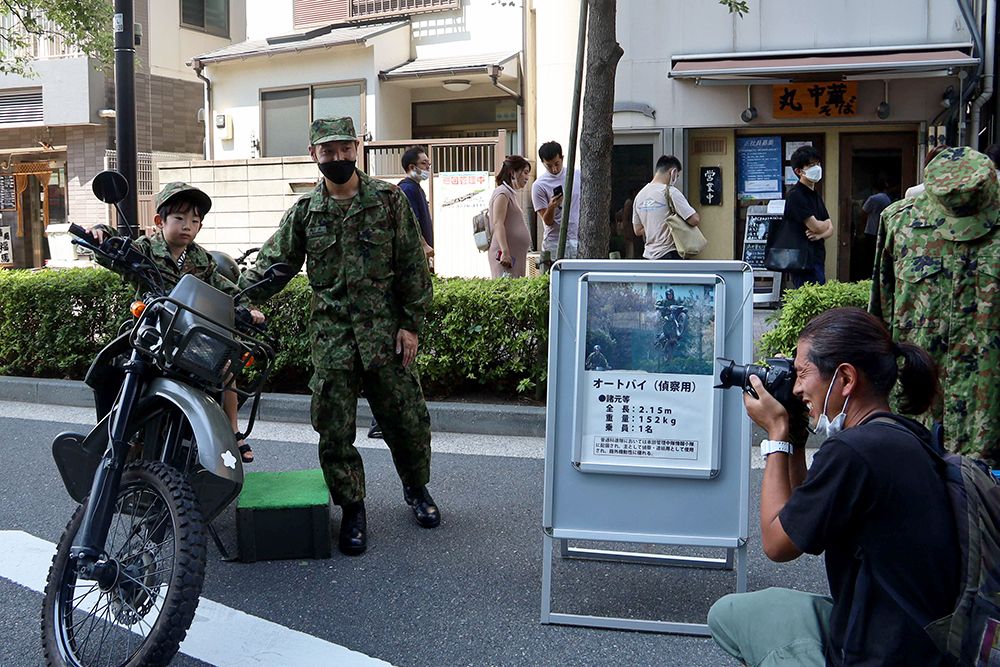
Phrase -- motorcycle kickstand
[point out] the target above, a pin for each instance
(226, 558)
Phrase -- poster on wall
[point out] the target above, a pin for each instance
(8, 196)
(646, 397)
(6, 247)
(758, 161)
(458, 197)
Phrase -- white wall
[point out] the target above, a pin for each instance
(171, 46)
(481, 26)
(268, 18)
(236, 87)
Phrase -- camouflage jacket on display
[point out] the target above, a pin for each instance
(197, 262)
(365, 266)
(937, 285)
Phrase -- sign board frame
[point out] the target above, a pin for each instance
(706, 458)
(582, 504)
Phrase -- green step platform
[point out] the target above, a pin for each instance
(283, 515)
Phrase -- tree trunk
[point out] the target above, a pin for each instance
(597, 136)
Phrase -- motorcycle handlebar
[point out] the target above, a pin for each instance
(83, 234)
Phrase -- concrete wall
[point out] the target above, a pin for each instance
(267, 18)
(71, 89)
(248, 196)
(171, 45)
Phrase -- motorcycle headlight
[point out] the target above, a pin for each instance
(205, 353)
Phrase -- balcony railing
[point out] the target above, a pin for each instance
(379, 8)
(36, 47)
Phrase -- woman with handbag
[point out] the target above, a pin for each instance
(663, 215)
(509, 250)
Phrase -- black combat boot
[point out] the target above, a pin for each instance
(353, 529)
(424, 509)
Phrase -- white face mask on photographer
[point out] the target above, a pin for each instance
(676, 177)
(814, 173)
(420, 174)
(824, 426)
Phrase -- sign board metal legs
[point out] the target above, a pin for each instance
(735, 558)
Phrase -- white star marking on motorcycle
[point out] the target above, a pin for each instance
(228, 460)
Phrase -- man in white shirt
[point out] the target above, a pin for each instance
(650, 211)
(547, 197)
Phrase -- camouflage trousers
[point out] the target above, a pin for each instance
(397, 402)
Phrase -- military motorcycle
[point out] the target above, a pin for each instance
(161, 463)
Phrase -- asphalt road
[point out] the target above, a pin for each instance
(467, 593)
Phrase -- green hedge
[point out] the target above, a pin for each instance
(802, 304)
(490, 335)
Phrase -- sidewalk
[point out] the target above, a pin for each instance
(448, 417)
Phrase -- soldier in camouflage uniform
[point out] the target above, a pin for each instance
(937, 284)
(371, 288)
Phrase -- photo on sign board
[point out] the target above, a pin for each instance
(650, 327)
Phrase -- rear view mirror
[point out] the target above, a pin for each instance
(110, 187)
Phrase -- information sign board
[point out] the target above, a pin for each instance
(758, 162)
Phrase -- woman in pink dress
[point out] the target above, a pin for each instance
(511, 239)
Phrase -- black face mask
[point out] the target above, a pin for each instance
(338, 171)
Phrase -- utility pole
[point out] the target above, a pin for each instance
(125, 142)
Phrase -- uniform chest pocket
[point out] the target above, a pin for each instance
(321, 256)
(376, 253)
(988, 292)
(918, 292)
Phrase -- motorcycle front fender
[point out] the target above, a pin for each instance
(217, 452)
(219, 478)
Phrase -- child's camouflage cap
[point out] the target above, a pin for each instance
(332, 128)
(963, 195)
(171, 190)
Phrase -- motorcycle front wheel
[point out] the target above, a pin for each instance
(155, 553)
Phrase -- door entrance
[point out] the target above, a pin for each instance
(869, 161)
(633, 158)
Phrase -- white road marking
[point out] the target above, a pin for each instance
(219, 635)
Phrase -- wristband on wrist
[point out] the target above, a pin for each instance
(772, 446)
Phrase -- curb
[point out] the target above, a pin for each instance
(472, 418)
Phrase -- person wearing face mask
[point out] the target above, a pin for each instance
(371, 290)
(872, 502)
(806, 215)
(417, 167)
(654, 203)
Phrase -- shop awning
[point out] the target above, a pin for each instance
(300, 40)
(786, 66)
(449, 66)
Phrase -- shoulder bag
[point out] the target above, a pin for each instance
(688, 240)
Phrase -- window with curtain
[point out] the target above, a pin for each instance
(286, 114)
(209, 15)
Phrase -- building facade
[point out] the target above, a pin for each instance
(870, 85)
(57, 130)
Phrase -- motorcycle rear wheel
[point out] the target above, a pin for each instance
(157, 547)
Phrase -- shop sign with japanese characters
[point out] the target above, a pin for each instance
(6, 249)
(816, 99)
(647, 394)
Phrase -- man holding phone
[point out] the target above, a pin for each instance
(654, 203)
(547, 199)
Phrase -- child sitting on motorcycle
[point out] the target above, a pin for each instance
(180, 209)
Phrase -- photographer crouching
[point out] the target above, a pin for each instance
(872, 501)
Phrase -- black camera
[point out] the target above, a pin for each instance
(778, 377)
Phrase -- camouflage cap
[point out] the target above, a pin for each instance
(331, 128)
(962, 199)
(171, 190)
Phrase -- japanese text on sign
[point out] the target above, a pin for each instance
(711, 186)
(645, 447)
(6, 252)
(816, 99)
